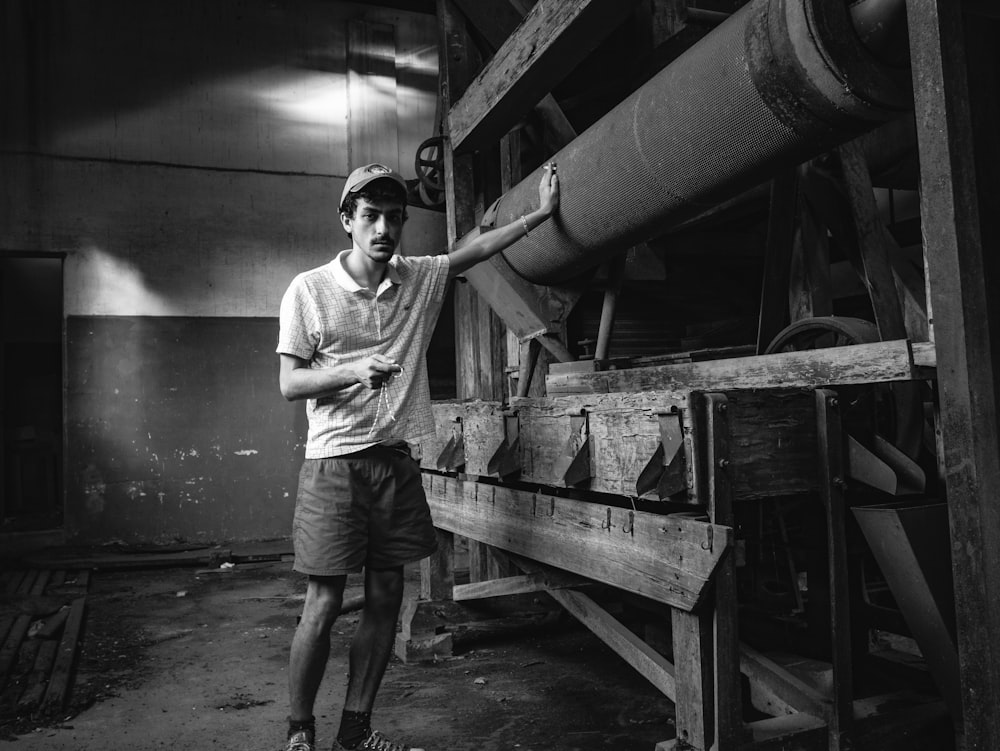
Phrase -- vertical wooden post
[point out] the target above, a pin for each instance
(694, 713)
(832, 483)
(437, 572)
(965, 335)
(706, 643)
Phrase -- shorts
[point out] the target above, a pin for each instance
(362, 510)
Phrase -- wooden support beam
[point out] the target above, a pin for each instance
(437, 571)
(668, 558)
(810, 289)
(648, 662)
(879, 362)
(719, 469)
(518, 585)
(529, 310)
(788, 687)
(554, 37)
(830, 445)
(496, 21)
(694, 702)
(966, 335)
(874, 243)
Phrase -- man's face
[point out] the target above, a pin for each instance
(376, 227)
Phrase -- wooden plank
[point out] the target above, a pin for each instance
(721, 466)
(649, 663)
(27, 583)
(496, 21)
(372, 132)
(12, 580)
(624, 433)
(6, 623)
(874, 243)
(668, 558)
(694, 710)
(41, 581)
(773, 434)
(553, 38)
(516, 585)
(878, 362)
(58, 687)
(811, 290)
(437, 571)
(529, 310)
(11, 646)
(122, 561)
(39, 677)
(481, 425)
(17, 679)
(830, 448)
(965, 331)
(788, 687)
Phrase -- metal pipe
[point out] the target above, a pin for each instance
(779, 82)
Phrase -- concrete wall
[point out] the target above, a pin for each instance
(186, 157)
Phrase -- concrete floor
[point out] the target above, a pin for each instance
(183, 658)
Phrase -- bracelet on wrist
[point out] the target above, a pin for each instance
(524, 223)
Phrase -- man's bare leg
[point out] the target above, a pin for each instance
(311, 643)
(373, 641)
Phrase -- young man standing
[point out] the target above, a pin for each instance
(353, 342)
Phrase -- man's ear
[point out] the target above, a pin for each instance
(346, 221)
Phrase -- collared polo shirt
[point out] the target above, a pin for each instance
(328, 319)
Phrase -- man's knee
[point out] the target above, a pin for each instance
(324, 597)
(384, 589)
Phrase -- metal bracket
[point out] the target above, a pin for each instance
(666, 471)
(506, 460)
(573, 465)
(452, 457)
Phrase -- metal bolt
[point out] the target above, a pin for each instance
(723, 407)
(723, 463)
(834, 401)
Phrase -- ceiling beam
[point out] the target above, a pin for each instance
(496, 21)
(553, 38)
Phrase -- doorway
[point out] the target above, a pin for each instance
(31, 382)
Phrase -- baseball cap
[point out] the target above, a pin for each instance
(360, 177)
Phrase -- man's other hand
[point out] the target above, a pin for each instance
(374, 371)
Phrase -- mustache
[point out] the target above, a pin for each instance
(380, 240)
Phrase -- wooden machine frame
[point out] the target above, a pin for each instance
(720, 429)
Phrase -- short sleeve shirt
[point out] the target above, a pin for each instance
(328, 319)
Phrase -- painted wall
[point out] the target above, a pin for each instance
(186, 157)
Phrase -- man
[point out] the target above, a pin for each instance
(353, 342)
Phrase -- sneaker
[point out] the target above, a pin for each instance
(302, 740)
(376, 742)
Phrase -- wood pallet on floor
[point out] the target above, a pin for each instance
(41, 620)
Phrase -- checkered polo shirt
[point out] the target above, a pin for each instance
(329, 320)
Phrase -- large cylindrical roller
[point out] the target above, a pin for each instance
(779, 82)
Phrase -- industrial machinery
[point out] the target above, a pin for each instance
(753, 461)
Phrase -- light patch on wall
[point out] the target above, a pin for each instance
(307, 97)
(246, 452)
(104, 284)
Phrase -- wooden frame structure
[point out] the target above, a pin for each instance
(523, 477)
